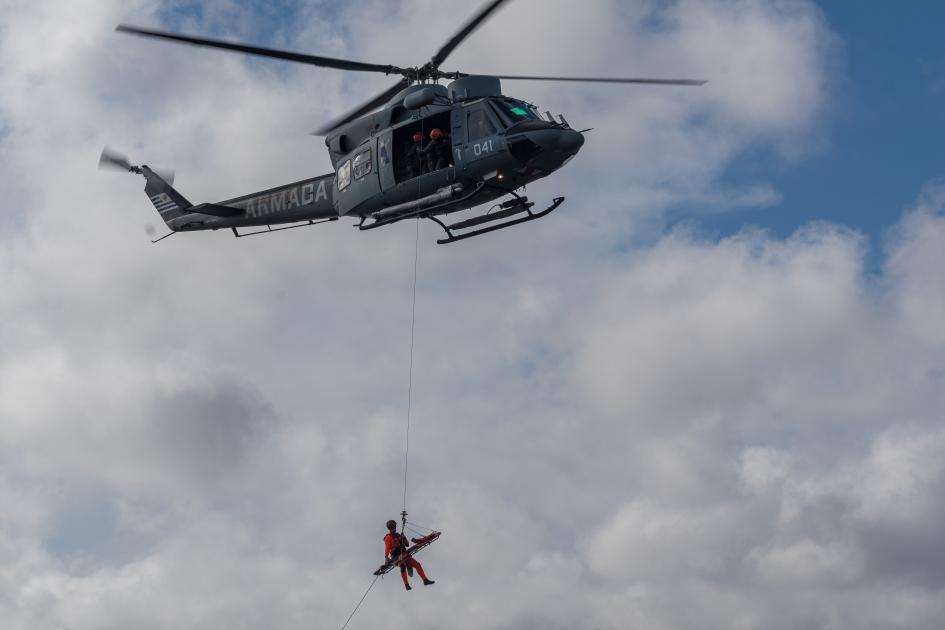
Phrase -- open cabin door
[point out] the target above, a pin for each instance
(416, 169)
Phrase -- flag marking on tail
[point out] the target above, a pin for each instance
(163, 203)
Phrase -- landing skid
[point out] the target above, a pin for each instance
(510, 208)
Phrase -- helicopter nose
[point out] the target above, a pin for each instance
(545, 147)
(570, 141)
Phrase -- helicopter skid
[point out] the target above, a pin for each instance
(518, 208)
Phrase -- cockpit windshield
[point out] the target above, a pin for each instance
(512, 111)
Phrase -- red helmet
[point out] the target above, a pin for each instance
(392, 524)
(418, 136)
(436, 134)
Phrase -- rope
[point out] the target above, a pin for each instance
(419, 526)
(360, 602)
(413, 319)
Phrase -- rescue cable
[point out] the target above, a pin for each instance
(413, 319)
(360, 602)
(403, 514)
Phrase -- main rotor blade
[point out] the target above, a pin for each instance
(474, 22)
(604, 80)
(315, 60)
(364, 108)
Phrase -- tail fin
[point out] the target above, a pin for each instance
(169, 203)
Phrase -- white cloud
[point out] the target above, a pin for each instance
(807, 563)
(209, 432)
(689, 327)
(763, 467)
(902, 469)
(643, 542)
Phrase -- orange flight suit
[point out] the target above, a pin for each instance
(397, 543)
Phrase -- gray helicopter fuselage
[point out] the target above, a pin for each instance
(499, 141)
(497, 144)
(388, 166)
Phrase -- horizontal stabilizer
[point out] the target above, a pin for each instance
(217, 210)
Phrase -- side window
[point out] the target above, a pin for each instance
(362, 164)
(478, 125)
(344, 175)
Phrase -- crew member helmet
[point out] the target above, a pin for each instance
(392, 525)
(436, 134)
(418, 136)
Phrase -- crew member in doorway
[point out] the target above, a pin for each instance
(415, 155)
(437, 151)
(396, 544)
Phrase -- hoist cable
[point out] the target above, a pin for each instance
(413, 315)
(360, 602)
(413, 319)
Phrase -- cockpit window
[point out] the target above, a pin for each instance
(512, 111)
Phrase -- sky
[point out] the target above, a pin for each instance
(706, 392)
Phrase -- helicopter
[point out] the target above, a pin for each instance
(418, 149)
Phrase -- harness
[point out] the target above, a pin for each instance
(400, 545)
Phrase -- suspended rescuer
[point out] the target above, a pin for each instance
(394, 545)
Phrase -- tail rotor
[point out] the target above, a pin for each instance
(114, 160)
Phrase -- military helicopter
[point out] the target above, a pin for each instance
(417, 149)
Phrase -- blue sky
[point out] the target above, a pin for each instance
(880, 135)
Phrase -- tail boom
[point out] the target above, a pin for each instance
(299, 201)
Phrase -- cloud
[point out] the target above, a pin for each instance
(643, 542)
(607, 420)
(807, 563)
